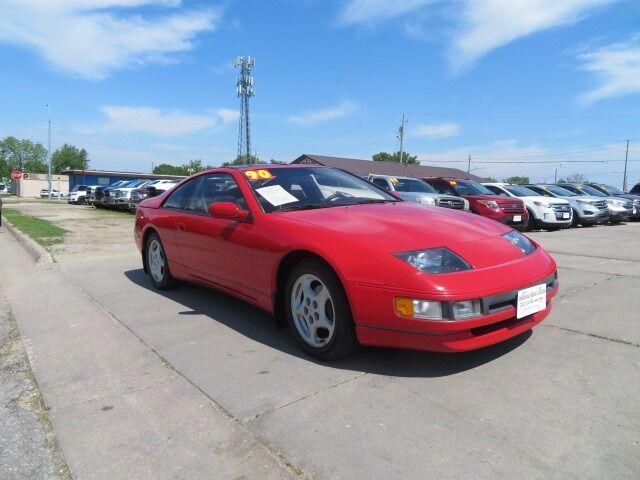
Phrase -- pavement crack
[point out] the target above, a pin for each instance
(310, 395)
(594, 335)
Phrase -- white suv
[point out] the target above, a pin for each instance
(544, 212)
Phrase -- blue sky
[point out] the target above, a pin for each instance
(138, 82)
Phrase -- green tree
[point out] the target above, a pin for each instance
(244, 160)
(516, 180)
(490, 180)
(407, 158)
(575, 178)
(23, 155)
(69, 157)
(194, 166)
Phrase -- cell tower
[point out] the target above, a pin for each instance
(244, 85)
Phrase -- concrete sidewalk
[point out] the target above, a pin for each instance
(120, 410)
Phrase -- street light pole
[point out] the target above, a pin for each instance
(49, 150)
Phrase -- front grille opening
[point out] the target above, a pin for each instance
(479, 331)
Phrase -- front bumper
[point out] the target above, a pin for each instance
(497, 323)
(619, 214)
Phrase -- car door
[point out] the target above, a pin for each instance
(218, 251)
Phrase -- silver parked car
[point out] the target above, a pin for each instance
(416, 190)
(620, 209)
(587, 210)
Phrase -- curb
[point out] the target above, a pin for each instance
(38, 253)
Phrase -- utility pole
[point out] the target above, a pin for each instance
(401, 137)
(469, 164)
(49, 150)
(555, 176)
(624, 179)
(244, 84)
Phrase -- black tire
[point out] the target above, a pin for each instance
(576, 220)
(161, 278)
(532, 223)
(343, 341)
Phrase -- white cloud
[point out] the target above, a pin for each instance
(490, 24)
(472, 28)
(439, 130)
(228, 115)
(324, 115)
(368, 12)
(96, 37)
(617, 66)
(155, 122)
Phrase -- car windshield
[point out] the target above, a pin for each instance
(133, 183)
(562, 192)
(282, 189)
(520, 191)
(612, 190)
(411, 185)
(588, 190)
(464, 187)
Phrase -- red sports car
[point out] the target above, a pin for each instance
(344, 262)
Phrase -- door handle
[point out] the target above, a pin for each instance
(181, 227)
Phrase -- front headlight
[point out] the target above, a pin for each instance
(489, 203)
(523, 243)
(434, 260)
(538, 203)
(427, 201)
(584, 202)
(615, 203)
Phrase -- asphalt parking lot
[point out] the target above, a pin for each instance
(192, 383)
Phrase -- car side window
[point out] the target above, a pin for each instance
(636, 189)
(214, 188)
(496, 190)
(177, 199)
(443, 187)
(382, 183)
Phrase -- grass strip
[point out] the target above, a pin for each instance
(45, 232)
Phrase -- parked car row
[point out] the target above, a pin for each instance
(525, 207)
(121, 195)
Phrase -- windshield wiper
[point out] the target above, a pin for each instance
(304, 206)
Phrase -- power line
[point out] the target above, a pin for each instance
(244, 84)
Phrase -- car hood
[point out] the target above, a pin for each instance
(404, 226)
(550, 200)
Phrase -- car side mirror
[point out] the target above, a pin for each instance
(152, 192)
(227, 211)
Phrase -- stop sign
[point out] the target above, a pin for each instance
(16, 175)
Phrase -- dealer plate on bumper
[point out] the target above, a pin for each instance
(532, 300)
(517, 218)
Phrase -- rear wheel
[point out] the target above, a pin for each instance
(157, 264)
(318, 311)
(532, 223)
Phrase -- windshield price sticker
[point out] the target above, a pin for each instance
(258, 174)
(532, 300)
(276, 195)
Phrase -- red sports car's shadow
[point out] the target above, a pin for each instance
(259, 326)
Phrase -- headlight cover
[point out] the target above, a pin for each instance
(585, 202)
(427, 201)
(434, 260)
(523, 243)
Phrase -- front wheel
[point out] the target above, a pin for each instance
(318, 311)
(157, 264)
